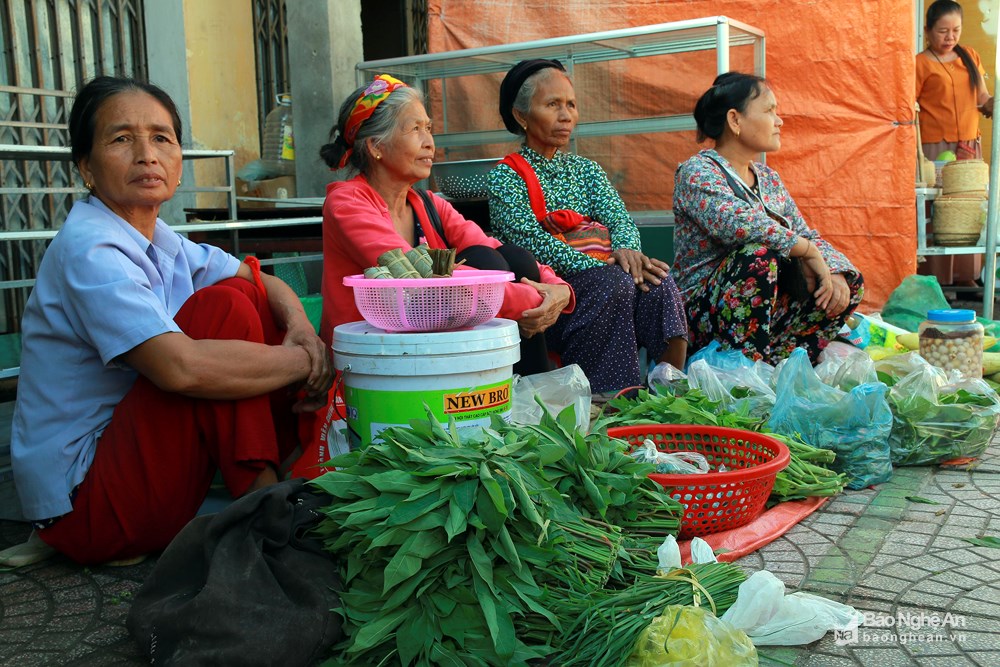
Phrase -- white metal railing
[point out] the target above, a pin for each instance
(232, 225)
(62, 153)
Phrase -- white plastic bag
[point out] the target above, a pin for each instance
(669, 553)
(735, 387)
(671, 463)
(557, 389)
(832, 359)
(665, 379)
(771, 618)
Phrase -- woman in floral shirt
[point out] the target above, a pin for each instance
(624, 299)
(755, 276)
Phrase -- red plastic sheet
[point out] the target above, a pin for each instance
(842, 72)
(765, 529)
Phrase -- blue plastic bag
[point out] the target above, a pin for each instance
(854, 424)
(716, 357)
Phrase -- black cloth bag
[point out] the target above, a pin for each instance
(246, 586)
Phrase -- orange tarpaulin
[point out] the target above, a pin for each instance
(733, 544)
(842, 72)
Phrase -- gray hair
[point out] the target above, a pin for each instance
(522, 102)
(380, 126)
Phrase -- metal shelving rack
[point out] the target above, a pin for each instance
(715, 33)
(923, 195)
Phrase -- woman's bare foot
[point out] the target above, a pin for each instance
(675, 353)
(267, 477)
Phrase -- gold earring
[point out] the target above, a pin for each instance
(378, 157)
(737, 132)
(178, 181)
(88, 185)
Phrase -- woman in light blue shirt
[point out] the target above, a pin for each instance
(148, 361)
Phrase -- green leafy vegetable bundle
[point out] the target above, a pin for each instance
(806, 474)
(936, 420)
(493, 549)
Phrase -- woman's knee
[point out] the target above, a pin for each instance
(483, 257)
(616, 292)
(221, 311)
(521, 262)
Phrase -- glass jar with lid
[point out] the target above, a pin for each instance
(953, 339)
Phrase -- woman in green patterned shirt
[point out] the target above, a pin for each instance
(562, 208)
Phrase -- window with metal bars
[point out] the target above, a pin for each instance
(271, 49)
(48, 48)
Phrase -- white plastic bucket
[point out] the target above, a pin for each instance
(388, 378)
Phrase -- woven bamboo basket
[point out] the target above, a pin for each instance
(958, 220)
(965, 177)
(928, 172)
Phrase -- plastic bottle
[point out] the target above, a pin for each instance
(278, 151)
(953, 339)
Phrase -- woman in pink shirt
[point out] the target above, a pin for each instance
(383, 132)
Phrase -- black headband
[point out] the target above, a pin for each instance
(511, 86)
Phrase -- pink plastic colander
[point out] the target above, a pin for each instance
(465, 299)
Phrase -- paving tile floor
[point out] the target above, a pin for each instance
(875, 549)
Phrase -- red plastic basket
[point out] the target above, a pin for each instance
(715, 501)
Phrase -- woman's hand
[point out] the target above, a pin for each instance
(538, 319)
(317, 385)
(643, 269)
(987, 108)
(841, 296)
(818, 277)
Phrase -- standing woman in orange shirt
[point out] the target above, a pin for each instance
(951, 87)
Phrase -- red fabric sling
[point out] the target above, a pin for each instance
(578, 231)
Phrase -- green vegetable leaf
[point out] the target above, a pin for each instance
(985, 541)
(374, 632)
(486, 512)
(406, 591)
(454, 626)
(480, 561)
(505, 547)
(443, 604)
(401, 567)
(598, 497)
(456, 523)
(493, 488)
(427, 521)
(387, 537)
(398, 481)
(499, 622)
(921, 500)
(411, 509)
(550, 452)
(414, 636)
(465, 495)
(425, 544)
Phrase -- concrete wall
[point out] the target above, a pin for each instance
(324, 46)
(206, 62)
(223, 85)
(167, 63)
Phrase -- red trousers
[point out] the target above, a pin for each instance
(156, 460)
